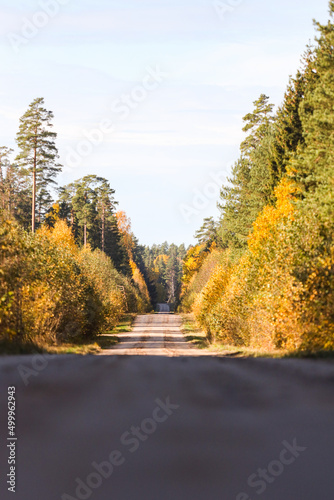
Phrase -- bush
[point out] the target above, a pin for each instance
(52, 291)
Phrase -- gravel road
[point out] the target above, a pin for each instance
(163, 427)
(155, 335)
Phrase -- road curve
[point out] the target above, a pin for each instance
(155, 335)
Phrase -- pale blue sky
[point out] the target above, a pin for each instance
(170, 143)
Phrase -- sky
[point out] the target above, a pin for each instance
(150, 94)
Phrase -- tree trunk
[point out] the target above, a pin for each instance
(2, 183)
(33, 211)
(103, 227)
(85, 235)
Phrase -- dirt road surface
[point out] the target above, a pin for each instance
(156, 335)
(168, 428)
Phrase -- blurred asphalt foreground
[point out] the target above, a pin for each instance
(169, 428)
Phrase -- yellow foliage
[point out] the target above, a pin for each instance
(193, 261)
(138, 278)
(124, 226)
(61, 234)
(51, 290)
(270, 217)
(254, 301)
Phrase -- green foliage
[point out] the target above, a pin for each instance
(164, 272)
(88, 205)
(246, 193)
(208, 232)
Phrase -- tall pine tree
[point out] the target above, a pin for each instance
(38, 153)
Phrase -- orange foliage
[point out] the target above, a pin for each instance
(123, 222)
(124, 227)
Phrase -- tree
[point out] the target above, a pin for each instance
(84, 205)
(257, 124)
(124, 227)
(15, 197)
(242, 199)
(66, 195)
(208, 231)
(115, 248)
(105, 205)
(88, 205)
(38, 153)
(4, 168)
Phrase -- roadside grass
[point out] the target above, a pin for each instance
(78, 345)
(192, 333)
(198, 339)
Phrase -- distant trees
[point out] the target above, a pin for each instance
(164, 263)
(89, 206)
(89, 201)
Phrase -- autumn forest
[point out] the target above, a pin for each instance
(260, 276)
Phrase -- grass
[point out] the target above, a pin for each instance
(192, 333)
(80, 345)
(246, 352)
(198, 338)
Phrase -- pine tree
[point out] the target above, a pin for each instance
(84, 206)
(257, 124)
(105, 206)
(242, 199)
(208, 231)
(38, 153)
(65, 200)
